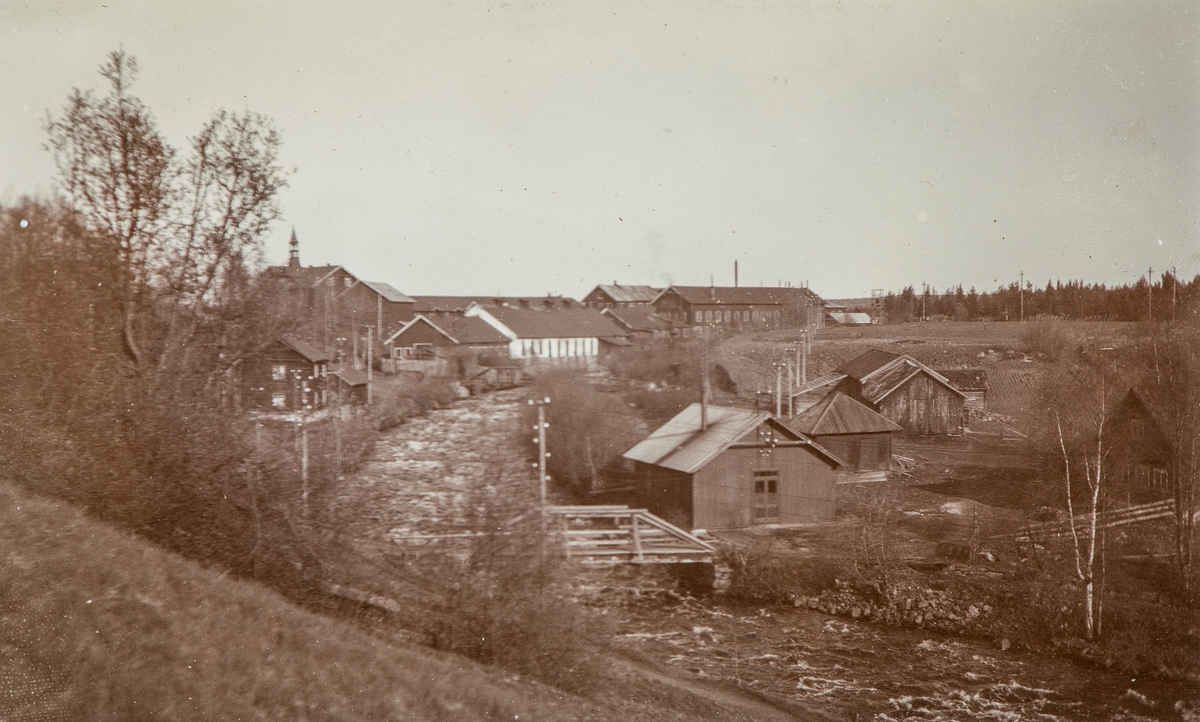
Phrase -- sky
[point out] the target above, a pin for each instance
(526, 148)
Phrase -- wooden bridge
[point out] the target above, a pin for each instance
(620, 535)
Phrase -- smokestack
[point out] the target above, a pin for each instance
(735, 273)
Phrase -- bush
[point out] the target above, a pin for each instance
(508, 604)
(767, 576)
(1045, 339)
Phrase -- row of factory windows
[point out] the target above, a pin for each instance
(731, 316)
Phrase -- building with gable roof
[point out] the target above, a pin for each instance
(575, 335)
(740, 308)
(615, 295)
(897, 386)
(857, 435)
(721, 468)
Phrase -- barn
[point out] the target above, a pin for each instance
(723, 468)
(972, 383)
(896, 385)
(853, 432)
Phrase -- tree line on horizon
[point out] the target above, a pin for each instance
(1165, 300)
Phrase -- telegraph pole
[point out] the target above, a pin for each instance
(1022, 297)
(369, 365)
(804, 342)
(778, 389)
(541, 462)
(792, 371)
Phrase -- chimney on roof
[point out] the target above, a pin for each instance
(294, 251)
(735, 273)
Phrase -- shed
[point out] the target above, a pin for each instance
(742, 468)
(857, 435)
(350, 386)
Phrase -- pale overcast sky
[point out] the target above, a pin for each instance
(531, 148)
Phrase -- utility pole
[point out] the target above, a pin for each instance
(369, 365)
(778, 389)
(792, 370)
(1150, 294)
(541, 462)
(704, 390)
(924, 294)
(1174, 285)
(1022, 297)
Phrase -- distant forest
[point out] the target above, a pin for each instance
(1162, 301)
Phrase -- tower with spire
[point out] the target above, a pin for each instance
(294, 251)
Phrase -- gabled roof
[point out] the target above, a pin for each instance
(465, 330)
(561, 323)
(867, 363)
(743, 295)
(682, 446)
(627, 294)
(473, 331)
(638, 319)
(814, 391)
(837, 413)
(881, 373)
(388, 292)
(310, 353)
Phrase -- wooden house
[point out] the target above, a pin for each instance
(618, 296)
(860, 437)
(1143, 450)
(735, 468)
(738, 308)
(575, 335)
(288, 375)
(898, 386)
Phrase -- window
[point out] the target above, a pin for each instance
(708, 316)
(346, 282)
(278, 400)
(777, 314)
(699, 316)
(766, 495)
(727, 316)
(278, 372)
(329, 282)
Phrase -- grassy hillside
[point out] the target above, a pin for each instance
(97, 624)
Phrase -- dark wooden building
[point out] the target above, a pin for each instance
(423, 338)
(738, 308)
(850, 430)
(349, 386)
(288, 375)
(898, 386)
(739, 469)
(642, 323)
(1143, 451)
(438, 307)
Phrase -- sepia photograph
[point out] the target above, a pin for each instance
(708, 361)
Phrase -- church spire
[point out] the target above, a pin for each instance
(294, 252)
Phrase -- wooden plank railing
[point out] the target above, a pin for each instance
(613, 534)
(1108, 520)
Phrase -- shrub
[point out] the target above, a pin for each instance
(1045, 339)
(764, 575)
(508, 604)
